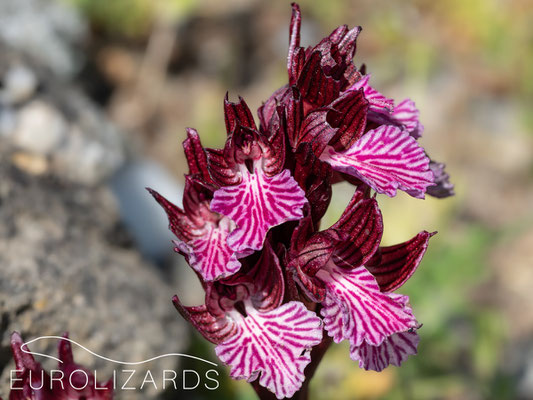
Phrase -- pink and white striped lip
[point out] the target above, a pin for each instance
(406, 114)
(394, 350)
(356, 310)
(257, 204)
(272, 346)
(386, 158)
(209, 254)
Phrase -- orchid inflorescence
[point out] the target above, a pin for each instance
(249, 226)
(70, 381)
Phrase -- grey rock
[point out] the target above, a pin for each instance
(20, 83)
(64, 267)
(57, 122)
(46, 29)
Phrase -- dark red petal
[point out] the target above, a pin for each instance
(64, 350)
(317, 86)
(268, 281)
(443, 187)
(353, 108)
(216, 330)
(392, 266)
(362, 222)
(294, 42)
(236, 114)
(195, 154)
(318, 250)
(294, 116)
(221, 168)
(179, 223)
(318, 128)
(23, 360)
(274, 155)
(268, 108)
(314, 176)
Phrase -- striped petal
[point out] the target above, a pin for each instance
(273, 346)
(385, 158)
(367, 314)
(378, 102)
(407, 115)
(209, 254)
(257, 204)
(394, 350)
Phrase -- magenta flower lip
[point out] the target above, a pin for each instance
(277, 287)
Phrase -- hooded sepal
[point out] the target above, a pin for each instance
(196, 156)
(216, 329)
(362, 223)
(237, 114)
(392, 266)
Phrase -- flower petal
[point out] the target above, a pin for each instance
(268, 280)
(213, 328)
(209, 254)
(443, 187)
(195, 154)
(257, 204)
(353, 108)
(367, 314)
(273, 346)
(363, 223)
(385, 158)
(294, 43)
(237, 114)
(378, 102)
(396, 264)
(394, 350)
(406, 114)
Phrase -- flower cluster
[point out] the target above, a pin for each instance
(69, 382)
(250, 222)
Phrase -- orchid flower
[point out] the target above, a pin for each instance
(278, 289)
(31, 382)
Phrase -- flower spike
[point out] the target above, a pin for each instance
(250, 226)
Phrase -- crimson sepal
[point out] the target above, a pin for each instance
(179, 222)
(267, 276)
(392, 266)
(222, 169)
(215, 329)
(237, 114)
(33, 383)
(196, 157)
(29, 374)
(362, 222)
(64, 389)
(443, 187)
(295, 56)
(314, 176)
(353, 109)
(274, 155)
(268, 108)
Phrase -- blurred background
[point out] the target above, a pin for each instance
(95, 96)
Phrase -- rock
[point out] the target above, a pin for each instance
(57, 122)
(62, 269)
(19, 84)
(39, 129)
(45, 29)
